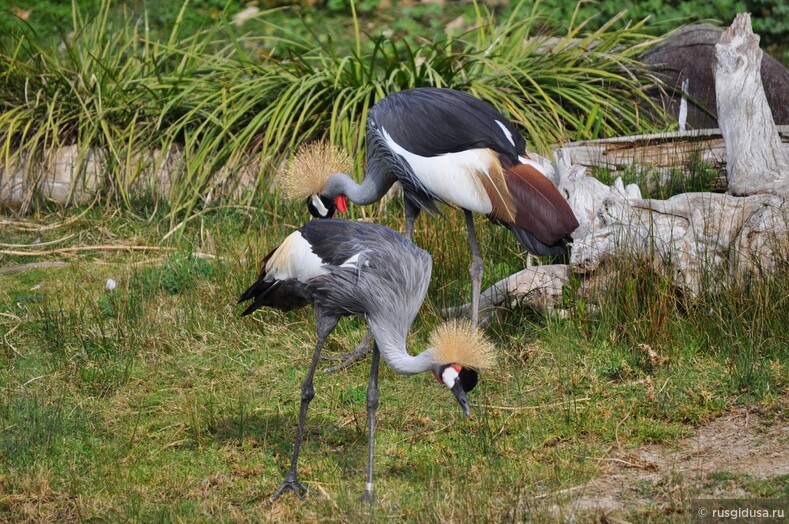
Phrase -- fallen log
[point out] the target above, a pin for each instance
(663, 154)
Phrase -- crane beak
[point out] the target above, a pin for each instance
(342, 203)
(460, 395)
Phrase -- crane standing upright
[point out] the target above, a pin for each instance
(447, 146)
(367, 270)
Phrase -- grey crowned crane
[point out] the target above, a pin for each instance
(349, 268)
(447, 146)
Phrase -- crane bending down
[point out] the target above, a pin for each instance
(350, 268)
(448, 146)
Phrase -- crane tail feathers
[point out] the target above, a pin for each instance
(258, 293)
(534, 246)
(285, 295)
(544, 217)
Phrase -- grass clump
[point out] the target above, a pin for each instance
(179, 273)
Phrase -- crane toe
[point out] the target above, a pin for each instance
(293, 485)
(368, 497)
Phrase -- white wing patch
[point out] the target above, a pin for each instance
(452, 177)
(294, 258)
(532, 163)
(351, 262)
(506, 132)
(358, 261)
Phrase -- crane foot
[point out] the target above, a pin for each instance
(293, 485)
(361, 351)
(368, 497)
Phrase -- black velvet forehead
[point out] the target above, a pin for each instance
(327, 202)
(468, 378)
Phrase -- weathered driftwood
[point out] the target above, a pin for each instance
(75, 174)
(695, 235)
(757, 162)
(539, 286)
(664, 154)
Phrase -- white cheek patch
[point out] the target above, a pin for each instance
(318, 203)
(449, 376)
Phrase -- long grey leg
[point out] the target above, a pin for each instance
(411, 212)
(372, 406)
(476, 267)
(325, 326)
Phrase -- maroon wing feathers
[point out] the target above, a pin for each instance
(541, 209)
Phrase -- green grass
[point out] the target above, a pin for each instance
(159, 402)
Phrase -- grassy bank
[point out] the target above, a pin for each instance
(156, 401)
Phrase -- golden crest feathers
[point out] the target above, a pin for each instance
(457, 342)
(307, 172)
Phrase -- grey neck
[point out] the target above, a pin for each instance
(393, 350)
(370, 190)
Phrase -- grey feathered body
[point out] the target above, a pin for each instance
(363, 270)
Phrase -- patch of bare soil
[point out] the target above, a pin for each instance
(743, 442)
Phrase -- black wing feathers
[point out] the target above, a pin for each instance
(429, 121)
(285, 295)
(335, 241)
(281, 294)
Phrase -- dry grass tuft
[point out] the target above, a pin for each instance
(306, 173)
(457, 342)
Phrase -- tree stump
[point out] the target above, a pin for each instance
(756, 161)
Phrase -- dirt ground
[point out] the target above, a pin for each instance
(742, 442)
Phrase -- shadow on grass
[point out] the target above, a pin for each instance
(276, 433)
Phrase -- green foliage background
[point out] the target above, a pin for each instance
(226, 96)
(770, 17)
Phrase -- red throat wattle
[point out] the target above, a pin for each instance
(342, 203)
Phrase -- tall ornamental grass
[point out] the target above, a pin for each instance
(224, 101)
